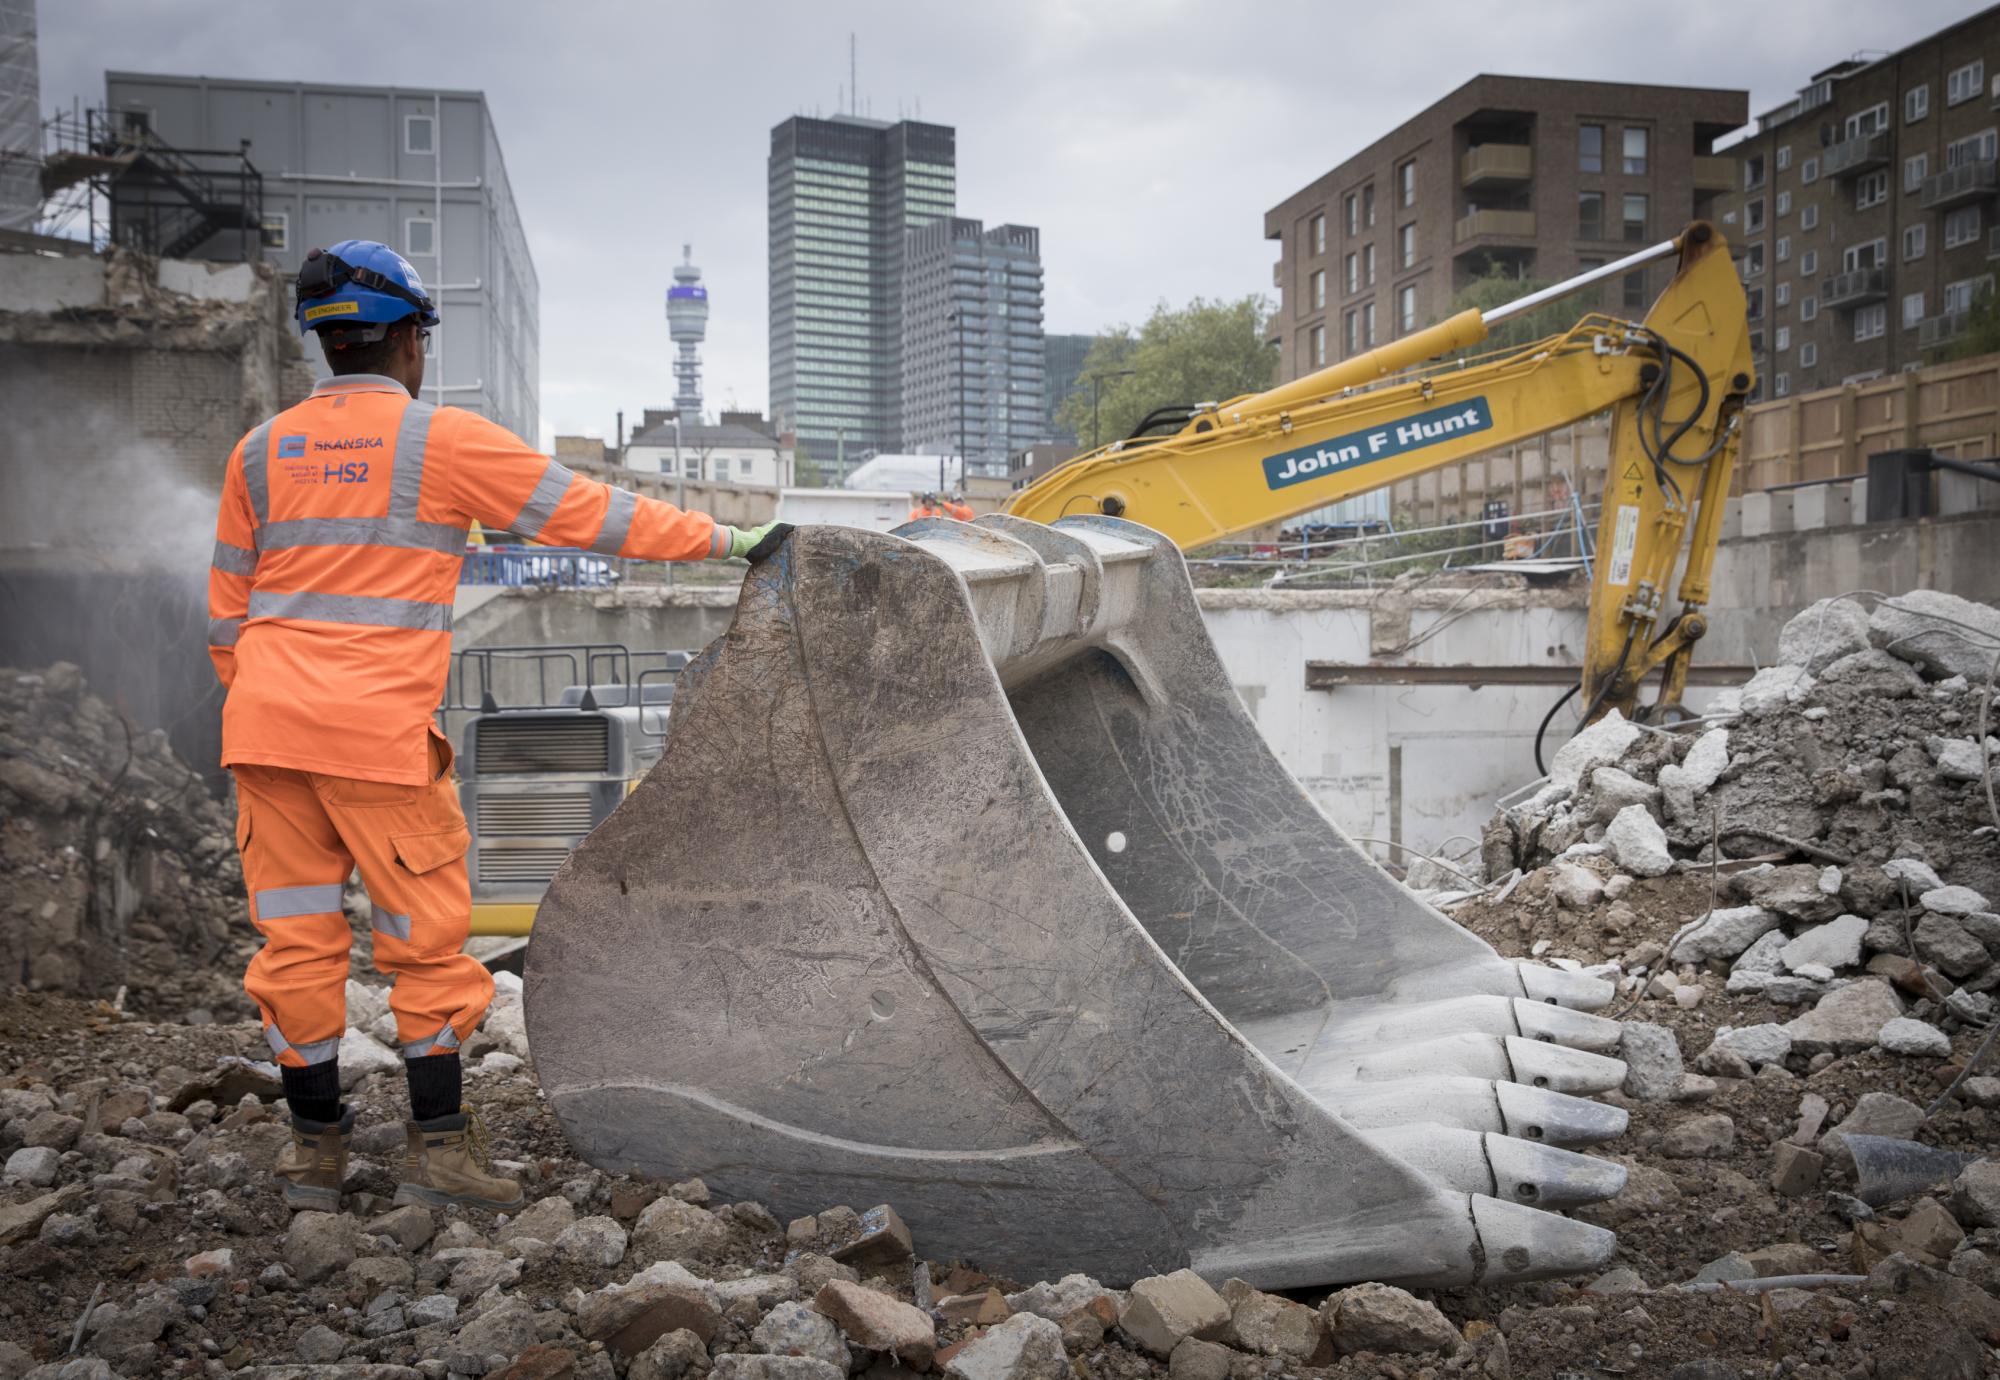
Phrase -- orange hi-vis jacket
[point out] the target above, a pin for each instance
(337, 552)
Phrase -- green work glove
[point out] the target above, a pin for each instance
(758, 544)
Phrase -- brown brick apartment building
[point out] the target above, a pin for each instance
(1543, 177)
(1866, 222)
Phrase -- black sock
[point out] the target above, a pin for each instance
(436, 1081)
(313, 1092)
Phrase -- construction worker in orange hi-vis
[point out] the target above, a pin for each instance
(926, 506)
(342, 529)
(955, 506)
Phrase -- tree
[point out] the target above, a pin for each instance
(1497, 287)
(1981, 335)
(1206, 351)
(807, 472)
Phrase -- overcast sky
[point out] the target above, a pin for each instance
(1146, 140)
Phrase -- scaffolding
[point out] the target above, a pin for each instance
(108, 173)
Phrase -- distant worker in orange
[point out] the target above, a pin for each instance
(955, 506)
(926, 506)
(342, 529)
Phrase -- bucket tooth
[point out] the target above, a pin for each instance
(1481, 1015)
(1562, 1025)
(1556, 987)
(1523, 1243)
(1516, 1171)
(1022, 928)
(1542, 1065)
(1541, 1175)
(1536, 1063)
(1557, 1118)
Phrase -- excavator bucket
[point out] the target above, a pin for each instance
(966, 884)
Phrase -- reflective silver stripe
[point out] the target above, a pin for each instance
(399, 532)
(285, 902)
(234, 560)
(223, 632)
(406, 477)
(444, 1039)
(256, 451)
(318, 1052)
(617, 522)
(541, 504)
(719, 542)
(395, 926)
(364, 609)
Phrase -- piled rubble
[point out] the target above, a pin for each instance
(119, 866)
(1830, 819)
(141, 1237)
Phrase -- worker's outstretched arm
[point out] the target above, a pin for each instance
(230, 568)
(502, 483)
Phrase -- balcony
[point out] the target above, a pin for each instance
(1850, 157)
(1716, 172)
(1940, 329)
(1967, 182)
(1855, 288)
(1494, 163)
(1507, 224)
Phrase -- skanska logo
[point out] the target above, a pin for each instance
(291, 447)
(350, 443)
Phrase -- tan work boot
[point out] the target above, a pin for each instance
(447, 1162)
(313, 1167)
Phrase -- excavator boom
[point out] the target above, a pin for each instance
(1673, 385)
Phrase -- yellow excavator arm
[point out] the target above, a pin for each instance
(1674, 384)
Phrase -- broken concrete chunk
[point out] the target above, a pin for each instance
(1599, 745)
(1195, 1359)
(1575, 886)
(1025, 1347)
(1793, 891)
(884, 1241)
(1721, 934)
(1054, 1301)
(1822, 633)
(1975, 1194)
(1652, 1058)
(1795, 1170)
(1874, 1114)
(1383, 1318)
(1637, 843)
(631, 1319)
(1773, 689)
(1958, 759)
(1904, 626)
(1836, 944)
(1916, 1039)
(1947, 946)
(1952, 900)
(877, 1322)
(742, 1365)
(1612, 789)
(1757, 1044)
(1162, 1309)
(1700, 1137)
(1270, 1325)
(1845, 1021)
(672, 1229)
(1914, 873)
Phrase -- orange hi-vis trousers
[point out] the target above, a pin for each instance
(301, 834)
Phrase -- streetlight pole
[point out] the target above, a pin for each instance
(1095, 381)
(680, 470)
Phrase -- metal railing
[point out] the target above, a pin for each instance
(567, 567)
(1561, 533)
(1856, 155)
(138, 191)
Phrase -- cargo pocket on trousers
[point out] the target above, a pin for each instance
(427, 850)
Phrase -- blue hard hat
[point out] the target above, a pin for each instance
(359, 288)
